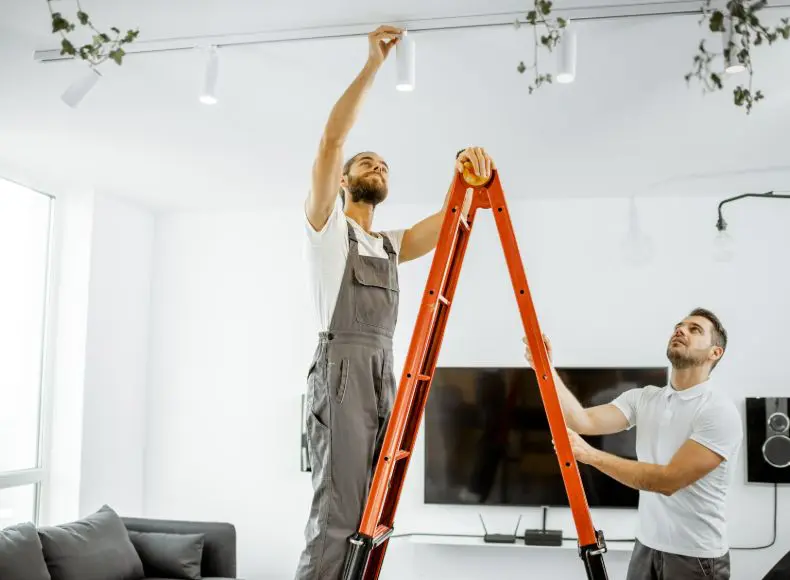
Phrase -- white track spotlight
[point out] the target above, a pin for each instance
(405, 60)
(732, 40)
(209, 94)
(567, 55)
(76, 92)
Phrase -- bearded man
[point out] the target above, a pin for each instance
(354, 283)
(688, 435)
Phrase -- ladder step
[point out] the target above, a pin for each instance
(423, 378)
(444, 300)
(402, 454)
(381, 534)
(464, 223)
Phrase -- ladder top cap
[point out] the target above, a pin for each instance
(475, 180)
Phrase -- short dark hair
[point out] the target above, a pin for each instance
(719, 332)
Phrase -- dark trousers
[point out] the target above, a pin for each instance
(649, 564)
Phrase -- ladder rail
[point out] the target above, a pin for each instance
(420, 345)
(542, 366)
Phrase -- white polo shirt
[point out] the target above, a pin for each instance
(690, 522)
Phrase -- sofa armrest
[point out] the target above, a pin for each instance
(219, 550)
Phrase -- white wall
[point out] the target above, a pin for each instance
(231, 338)
(116, 373)
(102, 266)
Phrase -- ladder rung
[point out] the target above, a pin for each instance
(423, 378)
(401, 454)
(381, 534)
(464, 223)
(444, 300)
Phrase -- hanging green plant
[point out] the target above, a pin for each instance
(738, 23)
(551, 38)
(103, 47)
(741, 30)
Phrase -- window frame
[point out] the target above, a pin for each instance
(39, 475)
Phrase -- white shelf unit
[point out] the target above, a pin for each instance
(450, 540)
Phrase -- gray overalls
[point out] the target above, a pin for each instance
(350, 392)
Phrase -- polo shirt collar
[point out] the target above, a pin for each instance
(687, 394)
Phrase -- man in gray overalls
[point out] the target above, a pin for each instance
(354, 280)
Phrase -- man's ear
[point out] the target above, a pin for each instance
(717, 352)
(344, 181)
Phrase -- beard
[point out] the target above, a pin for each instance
(685, 359)
(367, 190)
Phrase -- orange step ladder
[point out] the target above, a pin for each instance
(368, 546)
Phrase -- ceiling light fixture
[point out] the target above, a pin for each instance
(76, 92)
(723, 245)
(209, 94)
(405, 62)
(732, 40)
(566, 55)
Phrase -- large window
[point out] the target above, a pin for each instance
(25, 225)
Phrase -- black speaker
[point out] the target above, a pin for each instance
(768, 439)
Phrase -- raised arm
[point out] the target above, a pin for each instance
(599, 420)
(328, 163)
(423, 236)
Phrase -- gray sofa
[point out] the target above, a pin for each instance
(105, 546)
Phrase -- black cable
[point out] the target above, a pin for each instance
(773, 541)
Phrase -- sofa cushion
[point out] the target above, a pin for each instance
(169, 555)
(20, 554)
(96, 547)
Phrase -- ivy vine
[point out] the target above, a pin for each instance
(103, 46)
(741, 30)
(738, 23)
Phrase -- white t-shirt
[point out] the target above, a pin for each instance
(326, 252)
(690, 522)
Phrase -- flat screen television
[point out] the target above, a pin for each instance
(487, 439)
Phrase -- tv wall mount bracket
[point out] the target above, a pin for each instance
(368, 546)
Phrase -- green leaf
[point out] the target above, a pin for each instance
(717, 21)
(104, 37)
(83, 18)
(532, 17)
(130, 36)
(521, 67)
(561, 22)
(716, 79)
(67, 48)
(60, 24)
(117, 55)
(115, 30)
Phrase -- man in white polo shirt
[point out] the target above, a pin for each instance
(688, 434)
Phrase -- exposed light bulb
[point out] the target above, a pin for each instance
(724, 248)
(637, 246)
(405, 58)
(209, 94)
(566, 56)
(76, 92)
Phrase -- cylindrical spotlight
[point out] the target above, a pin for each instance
(209, 94)
(406, 59)
(567, 56)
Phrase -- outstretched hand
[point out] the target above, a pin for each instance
(380, 43)
(528, 352)
(481, 162)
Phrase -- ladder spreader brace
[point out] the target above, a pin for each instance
(368, 546)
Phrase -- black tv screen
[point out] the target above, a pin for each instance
(487, 438)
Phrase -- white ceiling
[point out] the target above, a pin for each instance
(628, 125)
